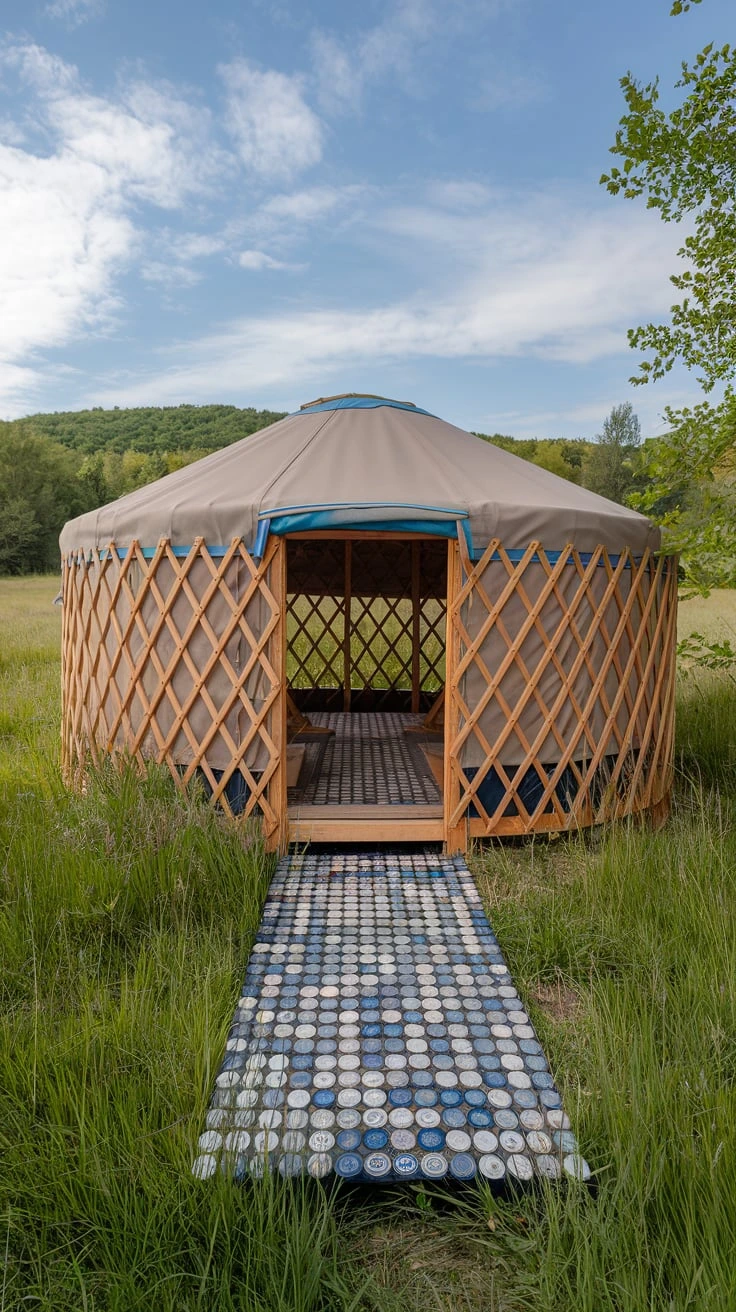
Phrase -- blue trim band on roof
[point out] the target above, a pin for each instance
(516, 555)
(102, 553)
(338, 507)
(282, 524)
(148, 553)
(362, 403)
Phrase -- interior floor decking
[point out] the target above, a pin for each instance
(372, 758)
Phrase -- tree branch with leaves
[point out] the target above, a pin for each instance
(683, 164)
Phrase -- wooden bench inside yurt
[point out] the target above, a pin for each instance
(363, 624)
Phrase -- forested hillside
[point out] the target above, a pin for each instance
(55, 466)
(148, 429)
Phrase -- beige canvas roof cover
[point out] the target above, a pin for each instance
(366, 460)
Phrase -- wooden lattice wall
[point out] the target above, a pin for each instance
(180, 660)
(367, 614)
(560, 693)
(560, 673)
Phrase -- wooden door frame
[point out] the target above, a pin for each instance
(346, 824)
(455, 838)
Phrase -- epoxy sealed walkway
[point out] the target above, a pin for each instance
(379, 1036)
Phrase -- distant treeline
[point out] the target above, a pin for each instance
(56, 466)
(565, 457)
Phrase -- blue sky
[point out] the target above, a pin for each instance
(262, 202)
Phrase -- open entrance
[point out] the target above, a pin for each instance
(365, 668)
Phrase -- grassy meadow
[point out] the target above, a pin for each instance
(126, 917)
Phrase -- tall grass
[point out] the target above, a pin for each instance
(126, 917)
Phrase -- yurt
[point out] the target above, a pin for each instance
(365, 624)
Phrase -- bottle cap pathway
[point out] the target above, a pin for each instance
(379, 1036)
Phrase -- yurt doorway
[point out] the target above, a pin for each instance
(365, 669)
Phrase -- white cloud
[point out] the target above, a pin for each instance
(170, 274)
(67, 205)
(258, 260)
(389, 48)
(75, 12)
(410, 32)
(62, 237)
(306, 206)
(276, 133)
(285, 219)
(144, 140)
(536, 277)
(194, 245)
(17, 383)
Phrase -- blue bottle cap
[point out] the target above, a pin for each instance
(450, 1097)
(348, 1140)
(406, 1165)
(462, 1166)
(273, 1098)
(565, 1139)
(533, 1063)
(480, 1117)
(431, 1139)
(291, 1164)
(475, 1098)
(400, 1097)
(323, 1098)
(425, 1097)
(375, 1139)
(453, 1117)
(349, 1165)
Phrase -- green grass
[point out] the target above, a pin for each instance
(126, 917)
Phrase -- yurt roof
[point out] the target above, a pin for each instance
(362, 461)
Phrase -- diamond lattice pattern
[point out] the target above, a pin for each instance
(394, 594)
(563, 691)
(177, 660)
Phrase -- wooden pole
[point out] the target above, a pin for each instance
(416, 610)
(347, 635)
(277, 791)
(456, 834)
